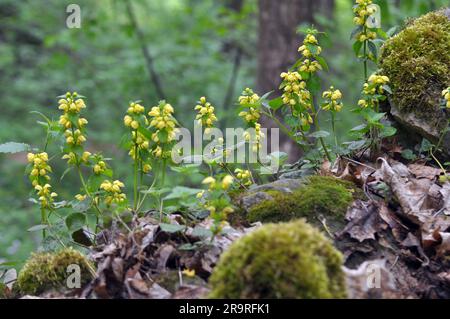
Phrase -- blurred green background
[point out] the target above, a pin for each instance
(197, 47)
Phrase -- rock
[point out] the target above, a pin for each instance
(417, 61)
(259, 193)
(252, 199)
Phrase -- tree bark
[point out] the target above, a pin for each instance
(278, 43)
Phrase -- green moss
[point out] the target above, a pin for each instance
(287, 260)
(45, 271)
(321, 195)
(417, 61)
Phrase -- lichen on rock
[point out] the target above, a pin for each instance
(320, 196)
(286, 260)
(417, 62)
(44, 271)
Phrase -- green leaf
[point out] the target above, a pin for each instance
(322, 62)
(37, 228)
(75, 221)
(408, 154)
(182, 192)
(201, 232)
(387, 88)
(382, 34)
(388, 131)
(318, 134)
(373, 49)
(275, 104)
(357, 47)
(359, 128)
(82, 206)
(171, 228)
(13, 147)
(355, 31)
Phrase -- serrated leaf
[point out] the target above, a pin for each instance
(318, 134)
(171, 228)
(182, 192)
(357, 47)
(373, 49)
(359, 128)
(322, 62)
(13, 147)
(201, 232)
(75, 221)
(82, 206)
(275, 104)
(37, 228)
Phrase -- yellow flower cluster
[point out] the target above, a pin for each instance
(310, 39)
(71, 121)
(205, 116)
(141, 142)
(250, 116)
(258, 136)
(74, 137)
(294, 89)
(113, 191)
(373, 86)
(310, 66)
(363, 9)
(132, 118)
(39, 177)
(244, 176)
(248, 97)
(217, 205)
(162, 120)
(446, 95)
(333, 100)
(71, 158)
(99, 167)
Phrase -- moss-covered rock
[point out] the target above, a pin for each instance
(44, 271)
(286, 260)
(417, 61)
(324, 196)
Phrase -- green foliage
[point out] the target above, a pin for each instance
(320, 196)
(288, 260)
(417, 61)
(44, 271)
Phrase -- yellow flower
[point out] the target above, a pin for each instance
(248, 97)
(209, 180)
(146, 168)
(205, 116)
(189, 272)
(80, 197)
(362, 103)
(134, 125)
(227, 181)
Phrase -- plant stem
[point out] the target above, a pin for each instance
(365, 56)
(283, 128)
(135, 180)
(316, 124)
(145, 196)
(43, 220)
(163, 176)
(333, 127)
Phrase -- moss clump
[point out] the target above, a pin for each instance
(45, 271)
(321, 195)
(417, 61)
(287, 260)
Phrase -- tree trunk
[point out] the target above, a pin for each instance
(278, 44)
